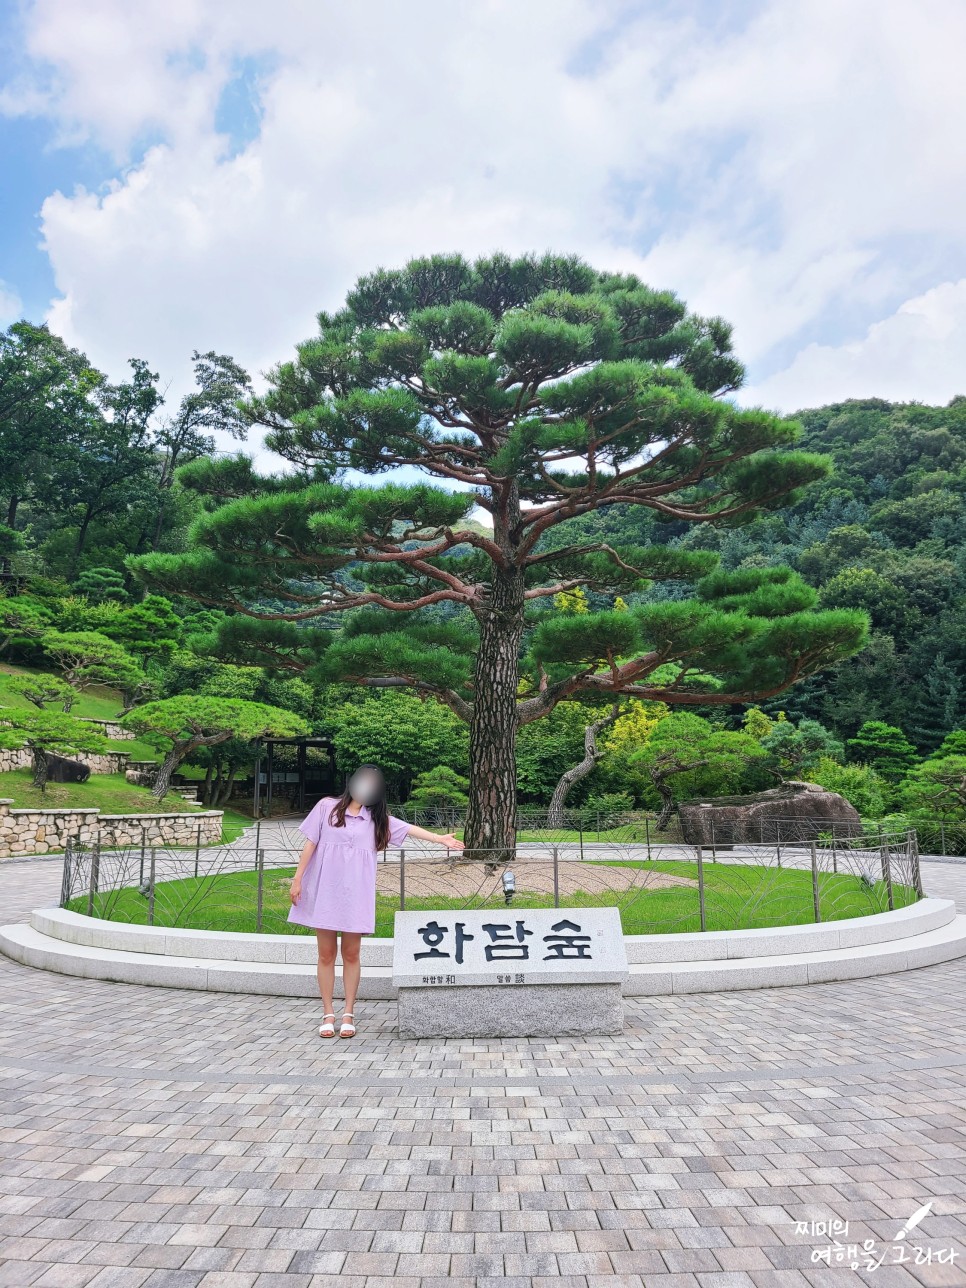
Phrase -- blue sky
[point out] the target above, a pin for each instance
(190, 174)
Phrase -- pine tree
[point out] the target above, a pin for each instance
(885, 747)
(548, 390)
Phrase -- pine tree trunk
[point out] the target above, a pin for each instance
(223, 795)
(491, 814)
(667, 798)
(41, 768)
(170, 763)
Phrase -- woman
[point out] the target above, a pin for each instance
(334, 887)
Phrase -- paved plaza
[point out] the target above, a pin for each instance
(155, 1138)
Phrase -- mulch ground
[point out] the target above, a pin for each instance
(535, 876)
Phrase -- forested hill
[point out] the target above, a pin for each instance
(886, 533)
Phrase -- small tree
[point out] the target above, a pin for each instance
(21, 618)
(795, 749)
(684, 744)
(861, 785)
(440, 788)
(101, 585)
(954, 744)
(186, 723)
(87, 657)
(757, 724)
(885, 747)
(47, 732)
(41, 690)
(938, 787)
(148, 629)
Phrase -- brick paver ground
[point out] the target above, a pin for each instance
(155, 1138)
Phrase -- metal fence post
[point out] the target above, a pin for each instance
(198, 847)
(816, 901)
(402, 880)
(95, 876)
(580, 835)
(151, 872)
(912, 840)
(701, 908)
(714, 852)
(260, 863)
(647, 835)
(65, 876)
(143, 845)
(556, 877)
(886, 868)
(942, 835)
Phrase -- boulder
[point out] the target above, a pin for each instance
(141, 777)
(62, 770)
(795, 811)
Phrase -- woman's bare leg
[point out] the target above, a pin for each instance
(326, 967)
(351, 966)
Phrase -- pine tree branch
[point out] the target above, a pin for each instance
(457, 704)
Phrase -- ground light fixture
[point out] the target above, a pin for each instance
(509, 885)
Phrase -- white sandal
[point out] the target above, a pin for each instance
(347, 1029)
(327, 1030)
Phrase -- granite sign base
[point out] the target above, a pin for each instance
(511, 1011)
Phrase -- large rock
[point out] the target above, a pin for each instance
(795, 811)
(60, 769)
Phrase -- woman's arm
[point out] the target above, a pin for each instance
(449, 840)
(295, 889)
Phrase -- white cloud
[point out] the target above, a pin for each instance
(787, 174)
(916, 355)
(10, 305)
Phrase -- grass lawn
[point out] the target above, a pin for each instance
(736, 898)
(99, 702)
(635, 832)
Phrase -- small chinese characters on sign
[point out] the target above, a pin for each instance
(509, 979)
(439, 979)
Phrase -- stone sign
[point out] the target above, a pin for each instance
(509, 972)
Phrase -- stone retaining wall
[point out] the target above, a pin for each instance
(41, 831)
(111, 762)
(110, 728)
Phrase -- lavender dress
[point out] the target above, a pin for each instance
(339, 882)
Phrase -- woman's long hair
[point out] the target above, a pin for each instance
(377, 810)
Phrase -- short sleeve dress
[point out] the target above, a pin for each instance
(339, 882)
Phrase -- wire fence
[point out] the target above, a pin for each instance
(657, 886)
(946, 837)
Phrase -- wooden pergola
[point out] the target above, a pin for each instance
(263, 803)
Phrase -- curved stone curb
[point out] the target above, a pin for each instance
(283, 965)
(293, 949)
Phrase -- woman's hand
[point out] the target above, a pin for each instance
(295, 889)
(451, 842)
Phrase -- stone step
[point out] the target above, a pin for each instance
(30, 946)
